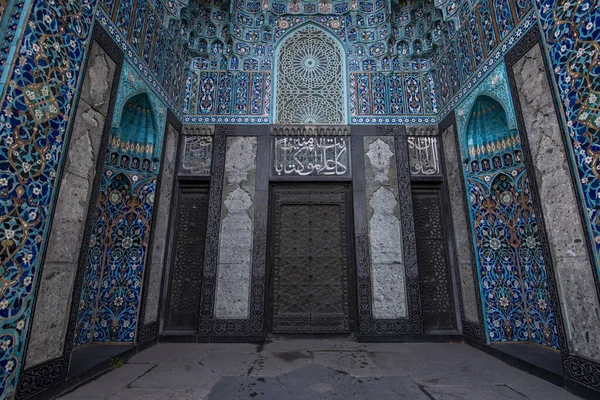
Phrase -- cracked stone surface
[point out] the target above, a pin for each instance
(559, 202)
(68, 225)
(462, 232)
(160, 242)
(317, 369)
(237, 224)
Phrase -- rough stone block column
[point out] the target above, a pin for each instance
(385, 230)
(237, 227)
(161, 227)
(572, 264)
(462, 231)
(53, 303)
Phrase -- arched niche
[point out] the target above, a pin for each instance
(489, 142)
(310, 78)
(512, 271)
(134, 144)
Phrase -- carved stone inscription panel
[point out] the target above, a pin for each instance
(325, 156)
(385, 231)
(424, 155)
(197, 155)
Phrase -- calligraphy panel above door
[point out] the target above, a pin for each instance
(312, 156)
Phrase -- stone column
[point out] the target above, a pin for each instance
(461, 229)
(53, 303)
(572, 264)
(236, 229)
(161, 227)
(384, 229)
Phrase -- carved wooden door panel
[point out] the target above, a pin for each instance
(310, 282)
(437, 297)
(183, 304)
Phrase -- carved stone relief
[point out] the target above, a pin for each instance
(197, 155)
(237, 224)
(385, 232)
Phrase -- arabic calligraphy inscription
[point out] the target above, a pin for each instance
(197, 155)
(423, 154)
(311, 156)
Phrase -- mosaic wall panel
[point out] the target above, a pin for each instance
(141, 28)
(12, 16)
(571, 31)
(117, 249)
(487, 32)
(36, 112)
(512, 272)
(242, 44)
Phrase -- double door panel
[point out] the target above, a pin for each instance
(310, 270)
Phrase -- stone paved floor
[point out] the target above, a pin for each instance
(314, 369)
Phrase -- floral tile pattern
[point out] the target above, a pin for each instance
(35, 113)
(117, 249)
(572, 35)
(512, 274)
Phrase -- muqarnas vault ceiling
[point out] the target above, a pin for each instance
(404, 61)
(388, 49)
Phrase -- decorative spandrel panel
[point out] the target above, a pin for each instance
(324, 156)
(424, 156)
(197, 155)
(310, 79)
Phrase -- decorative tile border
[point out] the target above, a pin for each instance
(393, 120)
(195, 119)
(490, 64)
(132, 57)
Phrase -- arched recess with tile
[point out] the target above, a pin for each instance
(118, 245)
(512, 271)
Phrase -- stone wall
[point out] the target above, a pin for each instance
(66, 233)
(462, 232)
(572, 264)
(237, 226)
(161, 227)
(385, 232)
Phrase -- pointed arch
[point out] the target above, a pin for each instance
(489, 136)
(135, 142)
(310, 78)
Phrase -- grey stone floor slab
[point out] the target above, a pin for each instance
(473, 392)
(355, 363)
(316, 382)
(110, 383)
(385, 388)
(244, 388)
(274, 364)
(317, 369)
(159, 394)
(174, 376)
